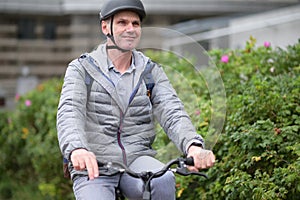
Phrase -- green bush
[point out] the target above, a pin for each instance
(31, 164)
(257, 153)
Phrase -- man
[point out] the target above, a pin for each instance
(106, 113)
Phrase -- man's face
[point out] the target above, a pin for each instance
(126, 29)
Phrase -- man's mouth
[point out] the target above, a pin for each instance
(129, 38)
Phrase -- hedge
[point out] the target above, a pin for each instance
(258, 153)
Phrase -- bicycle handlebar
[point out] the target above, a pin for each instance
(113, 168)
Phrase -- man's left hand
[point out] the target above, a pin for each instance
(203, 159)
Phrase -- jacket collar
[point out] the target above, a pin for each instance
(100, 56)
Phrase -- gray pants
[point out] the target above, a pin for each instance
(103, 187)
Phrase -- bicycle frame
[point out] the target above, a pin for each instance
(114, 168)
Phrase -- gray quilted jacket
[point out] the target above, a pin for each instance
(96, 119)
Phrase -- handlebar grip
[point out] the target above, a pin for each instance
(190, 161)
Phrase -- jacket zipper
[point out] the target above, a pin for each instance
(120, 128)
(120, 142)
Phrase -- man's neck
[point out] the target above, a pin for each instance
(121, 60)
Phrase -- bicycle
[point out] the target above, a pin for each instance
(114, 168)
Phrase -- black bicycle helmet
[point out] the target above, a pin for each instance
(111, 7)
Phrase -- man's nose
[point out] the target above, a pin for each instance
(130, 27)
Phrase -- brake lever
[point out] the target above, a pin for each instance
(185, 172)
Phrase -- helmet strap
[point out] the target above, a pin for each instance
(111, 37)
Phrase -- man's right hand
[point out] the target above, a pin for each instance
(83, 159)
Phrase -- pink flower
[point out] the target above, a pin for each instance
(267, 44)
(197, 112)
(27, 103)
(17, 97)
(225, 59)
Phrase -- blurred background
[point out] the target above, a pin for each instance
(38, 38)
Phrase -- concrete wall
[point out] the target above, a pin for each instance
(280, 27)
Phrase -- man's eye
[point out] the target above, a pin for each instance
(122, 22)
(136, 24)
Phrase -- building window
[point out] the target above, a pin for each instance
(26, 29)
(49, 30)
(2, 98)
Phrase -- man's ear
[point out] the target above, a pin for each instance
(105, 27)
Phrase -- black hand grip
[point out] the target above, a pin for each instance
(189, 161)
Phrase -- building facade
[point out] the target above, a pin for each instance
(39, 38)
